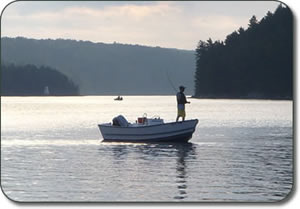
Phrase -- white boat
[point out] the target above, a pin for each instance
(147, 130)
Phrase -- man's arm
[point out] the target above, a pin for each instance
(186, 100)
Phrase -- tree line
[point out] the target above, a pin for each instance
(256, 62)
(106, 69)
(29, 80)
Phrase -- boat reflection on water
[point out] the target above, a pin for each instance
(183, 151)
(174, 156)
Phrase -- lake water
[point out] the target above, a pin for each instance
(51, 150)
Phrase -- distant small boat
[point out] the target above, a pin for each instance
(147, 130)
(119, 98)
(46, 91)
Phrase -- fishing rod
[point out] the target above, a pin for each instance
(168, 77)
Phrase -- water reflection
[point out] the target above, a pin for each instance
(183, 152)
(119, 151)
(180, 152)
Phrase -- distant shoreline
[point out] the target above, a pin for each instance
(242, 98)
(129, 95)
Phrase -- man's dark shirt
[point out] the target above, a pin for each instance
(181, 99)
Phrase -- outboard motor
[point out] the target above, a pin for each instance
(120, 121)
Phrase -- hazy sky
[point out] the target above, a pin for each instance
(158, 23)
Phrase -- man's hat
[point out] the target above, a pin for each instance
(181, 87)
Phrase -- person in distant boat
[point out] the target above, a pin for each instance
(181, 101)
(119, 98)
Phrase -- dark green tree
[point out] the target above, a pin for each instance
(29, 80)
(256, 62)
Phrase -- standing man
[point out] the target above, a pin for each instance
(181, 101)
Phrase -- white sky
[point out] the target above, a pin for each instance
(157, 23)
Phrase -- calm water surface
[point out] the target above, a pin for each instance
(51, 150)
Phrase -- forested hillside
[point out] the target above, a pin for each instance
(252, 63)
(29, 80)
(107, 69)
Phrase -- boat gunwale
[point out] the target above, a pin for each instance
(109, 125)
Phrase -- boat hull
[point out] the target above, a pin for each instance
(167, 132)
